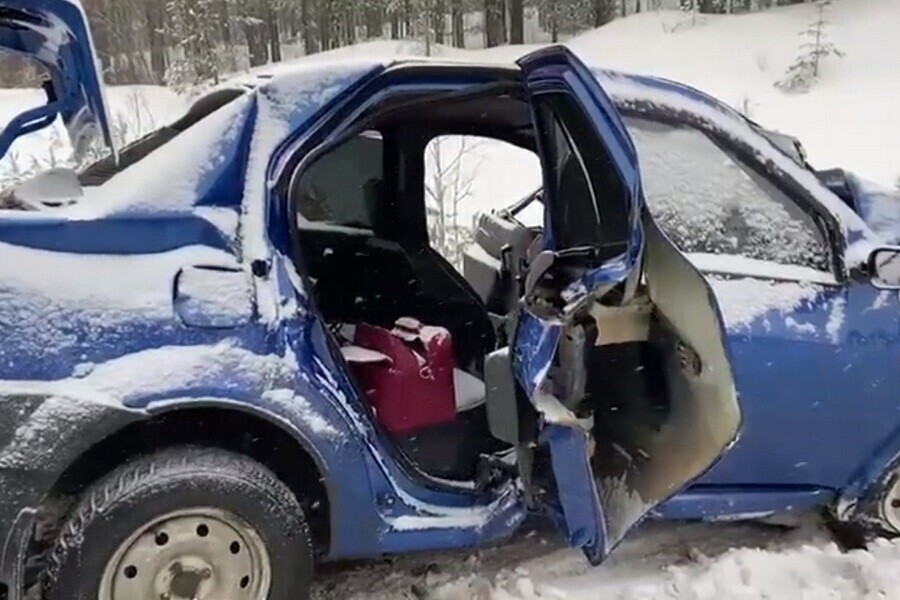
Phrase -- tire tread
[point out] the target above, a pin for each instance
(155, 469)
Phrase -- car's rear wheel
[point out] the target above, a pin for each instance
(191, 523)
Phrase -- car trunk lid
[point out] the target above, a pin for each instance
(55, 34)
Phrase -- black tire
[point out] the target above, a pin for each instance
(171, 480)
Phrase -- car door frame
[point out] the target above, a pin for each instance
(576, 506)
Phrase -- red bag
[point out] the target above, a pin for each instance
(413, 387)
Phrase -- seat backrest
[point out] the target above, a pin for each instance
(484, 267)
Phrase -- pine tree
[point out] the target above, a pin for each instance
(194, 26)
(567, 17)
(815, 48)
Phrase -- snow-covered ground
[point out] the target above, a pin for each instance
(662, 561)
(850, 118)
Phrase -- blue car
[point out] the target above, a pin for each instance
(180, 415)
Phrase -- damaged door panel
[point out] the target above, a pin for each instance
(618, 342)
(664, 404)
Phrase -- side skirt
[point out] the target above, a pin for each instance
(729, 503)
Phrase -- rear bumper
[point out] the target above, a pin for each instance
(40, 438)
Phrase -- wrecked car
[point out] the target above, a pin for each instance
(238, 356)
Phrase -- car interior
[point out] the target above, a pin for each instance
(363, 236)
(631, 360)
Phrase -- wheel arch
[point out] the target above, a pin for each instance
(240, 428)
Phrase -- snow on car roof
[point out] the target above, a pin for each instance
(289, 94)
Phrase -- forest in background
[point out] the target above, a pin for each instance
(191, 42)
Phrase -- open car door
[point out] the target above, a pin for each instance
(618, 343)
(55, 35)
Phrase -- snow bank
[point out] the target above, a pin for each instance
(849, 119)
(810, 572)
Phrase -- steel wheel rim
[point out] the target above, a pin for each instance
(890, 508)
(194, 554)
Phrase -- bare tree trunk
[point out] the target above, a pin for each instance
(273, 34)
(310, 43)
(294, 23)
(516, 22)
(102, 38)
(157, 43)
(494, 27)
(457, 23)
(407, 18)
(256, 44)
(374, 21)
(602, 12)
(225, 15)
(324, 20)
(395, 25)
(349, 26)
(438, 22)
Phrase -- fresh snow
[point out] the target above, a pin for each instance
(140, 189)
(725, 264)
(55, 185)
(42, 289)
(661, 561)
(745, 299)
(836, 319)
(165, 372)
(360, 355)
